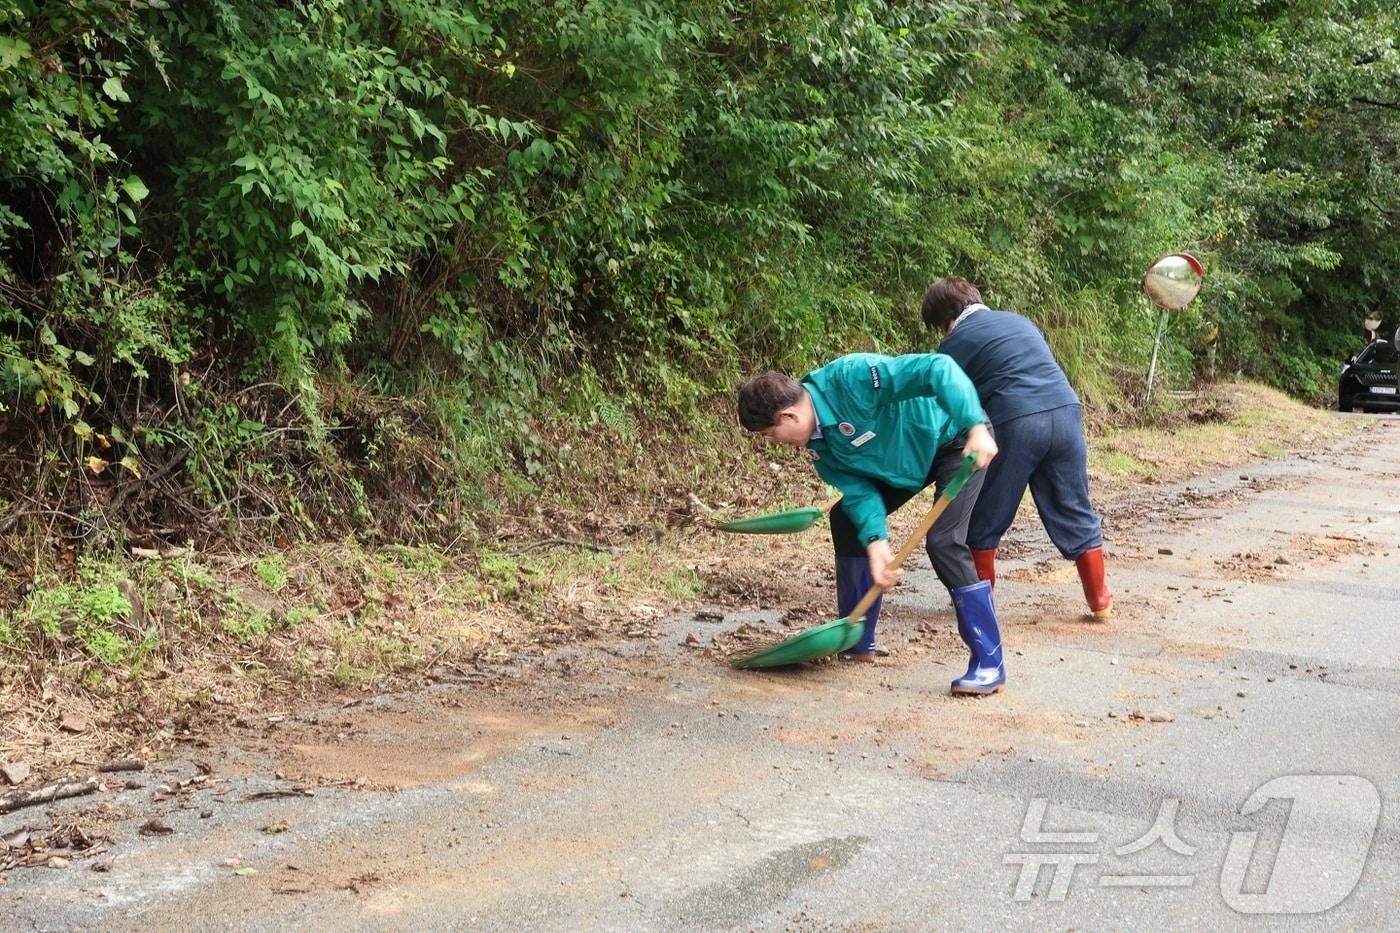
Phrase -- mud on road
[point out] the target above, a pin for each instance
(642, 784)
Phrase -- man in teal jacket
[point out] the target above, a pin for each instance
(880, 429)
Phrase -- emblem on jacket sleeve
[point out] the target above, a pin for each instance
(846, 428)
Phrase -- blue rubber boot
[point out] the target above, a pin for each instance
(977, 627)
(852, 582)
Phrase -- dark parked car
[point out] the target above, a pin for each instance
(1368, 379)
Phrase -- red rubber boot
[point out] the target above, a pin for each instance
(986, 562)
(1091, 575)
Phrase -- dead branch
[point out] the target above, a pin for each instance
(568, 542)
(272, 794)
(162, 552)
(122, 495)
(48, 794)
(40, 487)
(1372, 102)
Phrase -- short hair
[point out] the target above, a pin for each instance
(762, 397)
(946, 299)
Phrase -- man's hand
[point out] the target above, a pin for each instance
(881, 572)
(979, 442)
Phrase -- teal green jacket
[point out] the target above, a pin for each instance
(883, 418)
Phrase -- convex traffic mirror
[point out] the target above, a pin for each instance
(1173, 281)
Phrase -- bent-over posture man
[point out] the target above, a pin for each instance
(880, 429)
(1038, 425)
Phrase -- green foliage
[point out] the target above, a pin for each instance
(73, 298)
(272, 571)
(89, 614)
(502, 574)
(1292, 143)
(247, 623)
(547, 223)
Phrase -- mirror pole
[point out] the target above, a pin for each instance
(1156, 346)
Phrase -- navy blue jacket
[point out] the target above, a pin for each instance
(1006, 357)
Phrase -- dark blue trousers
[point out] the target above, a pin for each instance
(1046, 452)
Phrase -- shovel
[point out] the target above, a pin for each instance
(835, 637)
(780, 523)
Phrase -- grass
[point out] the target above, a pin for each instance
(301, 620)
(248, 625)
(344, 615)
(348, 675)
(683, 583)
(271, 571)
(1234, 423)
(88, 620)
(1120, 464)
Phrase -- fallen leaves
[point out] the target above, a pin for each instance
(56, 847)
(74, 723)
(155, 826)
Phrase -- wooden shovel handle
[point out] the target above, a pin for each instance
(872, 594)
(831, 503)
(858, 613)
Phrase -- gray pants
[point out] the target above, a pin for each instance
(946, 540)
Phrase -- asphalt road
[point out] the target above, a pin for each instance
(1221, 754)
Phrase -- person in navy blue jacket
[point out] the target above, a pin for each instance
(1036, 415)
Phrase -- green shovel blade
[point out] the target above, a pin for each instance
(777, 523)
(835, 637)
(816, 642)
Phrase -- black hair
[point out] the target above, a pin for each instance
(762, 397)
